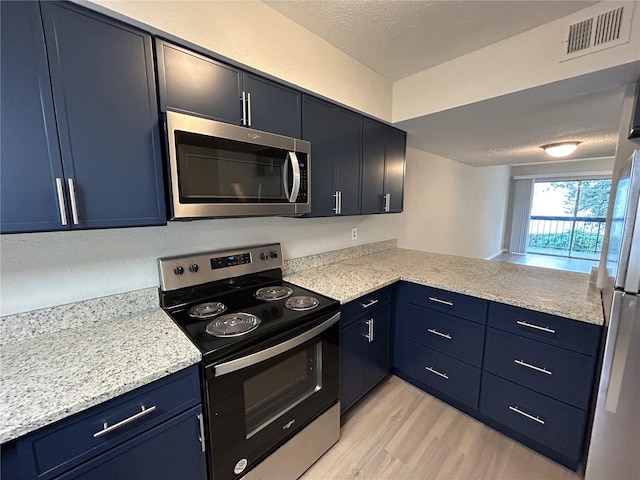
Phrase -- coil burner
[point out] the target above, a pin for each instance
(233, 325)
(301, 303)
(271, 294)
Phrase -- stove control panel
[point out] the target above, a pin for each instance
(191, 270)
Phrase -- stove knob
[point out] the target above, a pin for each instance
(193, 268)
(179, 270)
(273, 254)
(264, 256)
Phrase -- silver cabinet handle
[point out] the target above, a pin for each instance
(369, 335)
(132, 418)
(372, 302)
(337, 206)
(537, 327)
(244, 109)
(249, 108)
(61, 206)
(436, 332)
(74, 206)
(444, 302)
(525, 414)
(340, 202)
(532, 367)
(203, 443)
(387, 202)
(440, 374)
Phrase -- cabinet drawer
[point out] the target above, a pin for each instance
(454, 336)
(363, 305)
(463, 306)
(69, 442)
(561, 332)
(549, 422)
(561, 374)
(446, 374)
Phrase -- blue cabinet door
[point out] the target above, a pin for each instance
(104, 91)
(378, 361)
(272, 107)
(29, 142)
(347, 158)
(352, 357)
(395, 149)
(170, 451)
(317, 129)
(336, 156)
(192, 83)
(373, 141)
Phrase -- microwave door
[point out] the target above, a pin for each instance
(291, 162)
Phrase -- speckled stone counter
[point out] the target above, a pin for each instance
(557, 292)
(59, 361)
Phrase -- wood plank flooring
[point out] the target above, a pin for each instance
(400, 432)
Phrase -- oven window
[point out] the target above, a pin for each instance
(213, 170)
(273, 392)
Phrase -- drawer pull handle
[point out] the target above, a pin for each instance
(532, 367)
(440, 374)
(444, 302)
(440, 334)
(132, 418)
(367, 305)
(369, 335)
(537, 327)
(525, 414)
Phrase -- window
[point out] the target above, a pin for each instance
(568, 217)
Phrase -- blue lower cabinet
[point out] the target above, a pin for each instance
(170, 451)
(364, 349)
(553, 424)
(441, 372)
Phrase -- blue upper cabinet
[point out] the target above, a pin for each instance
(336, 156)
(30, 158)
(95, 162)
(382, 168)
(104, 91)
(199, 85)
(192, 83)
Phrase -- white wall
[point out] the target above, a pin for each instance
(45, 269)
(522, 62)
(453, 208)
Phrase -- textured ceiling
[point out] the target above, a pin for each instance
(399, 38)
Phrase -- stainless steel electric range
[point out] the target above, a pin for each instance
(270, 368)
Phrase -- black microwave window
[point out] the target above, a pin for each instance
(217, 170)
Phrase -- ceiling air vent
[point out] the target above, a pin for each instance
(605, 30)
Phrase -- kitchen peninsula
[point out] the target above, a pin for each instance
(79, 376)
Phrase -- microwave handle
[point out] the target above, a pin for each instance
(295, 165)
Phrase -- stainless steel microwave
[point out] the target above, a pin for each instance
(222, 170)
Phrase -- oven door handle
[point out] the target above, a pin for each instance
(295, 167)
(240, 363)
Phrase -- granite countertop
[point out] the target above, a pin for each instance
(557, 292)
(62, 360)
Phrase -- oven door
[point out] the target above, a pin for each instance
(257, 402)
(219, 169)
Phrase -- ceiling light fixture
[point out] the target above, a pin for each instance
(560, 149)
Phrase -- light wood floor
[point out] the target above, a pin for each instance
(399, 432)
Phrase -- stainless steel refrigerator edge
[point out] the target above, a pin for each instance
(614, 451)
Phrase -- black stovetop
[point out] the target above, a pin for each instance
(238, 295)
